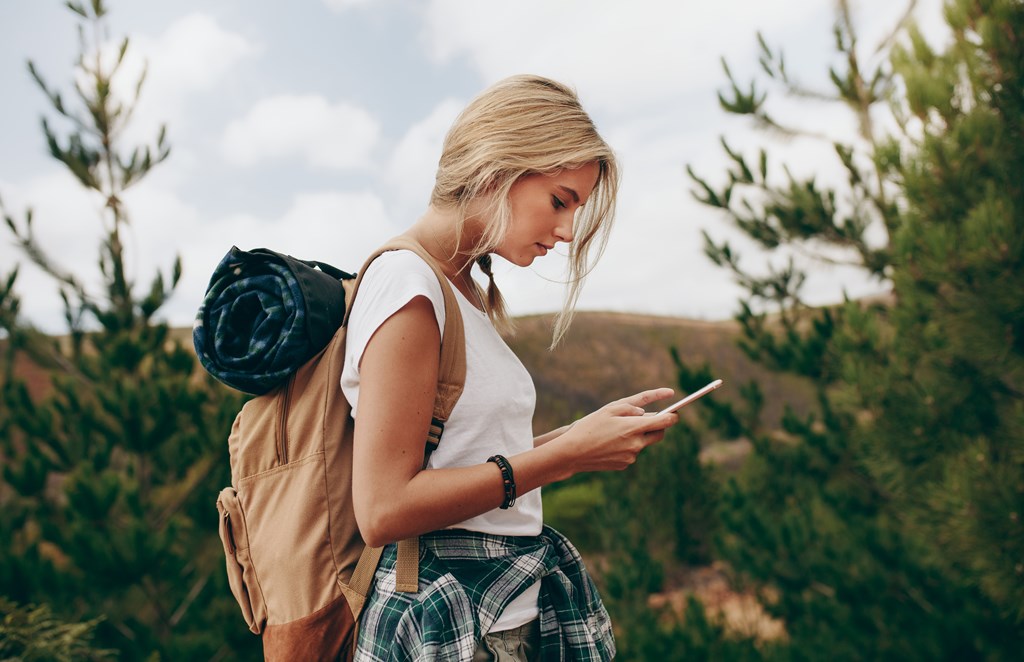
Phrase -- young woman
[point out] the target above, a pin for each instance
(522, 169)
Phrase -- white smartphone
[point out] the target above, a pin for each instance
(693, 396)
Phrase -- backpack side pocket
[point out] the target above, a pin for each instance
(241, 573)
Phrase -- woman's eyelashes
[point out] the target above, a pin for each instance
(557, 203)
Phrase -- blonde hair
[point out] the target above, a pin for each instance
(519, 126)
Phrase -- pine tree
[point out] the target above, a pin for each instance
(888, 524)
(640, 526)
(106, 504)
(32, 633)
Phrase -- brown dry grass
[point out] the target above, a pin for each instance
(606, 356)
(739, 612)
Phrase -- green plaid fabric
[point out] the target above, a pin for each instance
(466, 580)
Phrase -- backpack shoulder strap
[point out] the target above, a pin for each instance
(451, 379)
(452, 369)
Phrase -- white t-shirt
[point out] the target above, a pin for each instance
(494, 415)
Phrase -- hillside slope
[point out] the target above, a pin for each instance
(606, 356)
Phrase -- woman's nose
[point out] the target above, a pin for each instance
(563, 230)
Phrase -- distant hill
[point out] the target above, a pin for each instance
(606, 356)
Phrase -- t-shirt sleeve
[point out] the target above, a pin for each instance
(391, 281)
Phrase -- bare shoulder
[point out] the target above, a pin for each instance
(409, 338)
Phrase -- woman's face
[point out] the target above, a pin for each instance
(543, 209)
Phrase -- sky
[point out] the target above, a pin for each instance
(313, 127)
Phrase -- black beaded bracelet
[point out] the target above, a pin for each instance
(507, 478)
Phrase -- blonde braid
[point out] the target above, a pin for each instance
(495, 303)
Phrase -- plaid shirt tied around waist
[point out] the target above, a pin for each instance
(466, 580)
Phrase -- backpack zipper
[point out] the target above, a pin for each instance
(230, 537)
(282, 435)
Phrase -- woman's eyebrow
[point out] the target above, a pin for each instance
(574, 194)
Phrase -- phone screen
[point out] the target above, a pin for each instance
(693, 396)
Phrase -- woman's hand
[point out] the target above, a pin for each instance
(612, 437)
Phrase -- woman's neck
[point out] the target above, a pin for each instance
(437, 230)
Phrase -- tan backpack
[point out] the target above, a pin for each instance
(295, 560)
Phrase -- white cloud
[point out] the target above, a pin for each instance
(340, 228)
(345, 5)
(620, 55)
(337, 227)
(647, 71)
(410, 173)
(192, 55)
(647, 55)
(325, 135)
(195, 53)
(68, 227)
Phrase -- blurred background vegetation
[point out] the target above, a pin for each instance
(854, 494)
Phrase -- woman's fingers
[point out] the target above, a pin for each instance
(660, 421)
(613, 436)
(652, 438)
(644, 398)
(623, 408)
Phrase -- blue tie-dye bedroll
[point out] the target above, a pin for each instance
(264, 315)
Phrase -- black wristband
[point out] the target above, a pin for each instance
(508, 480)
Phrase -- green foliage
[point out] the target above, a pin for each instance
(666, 499)
(32, 634)
(573, 509)
(636, 524)
(888, 524)
(109, 476)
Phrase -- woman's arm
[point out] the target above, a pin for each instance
(548, 436)
(394, 499)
